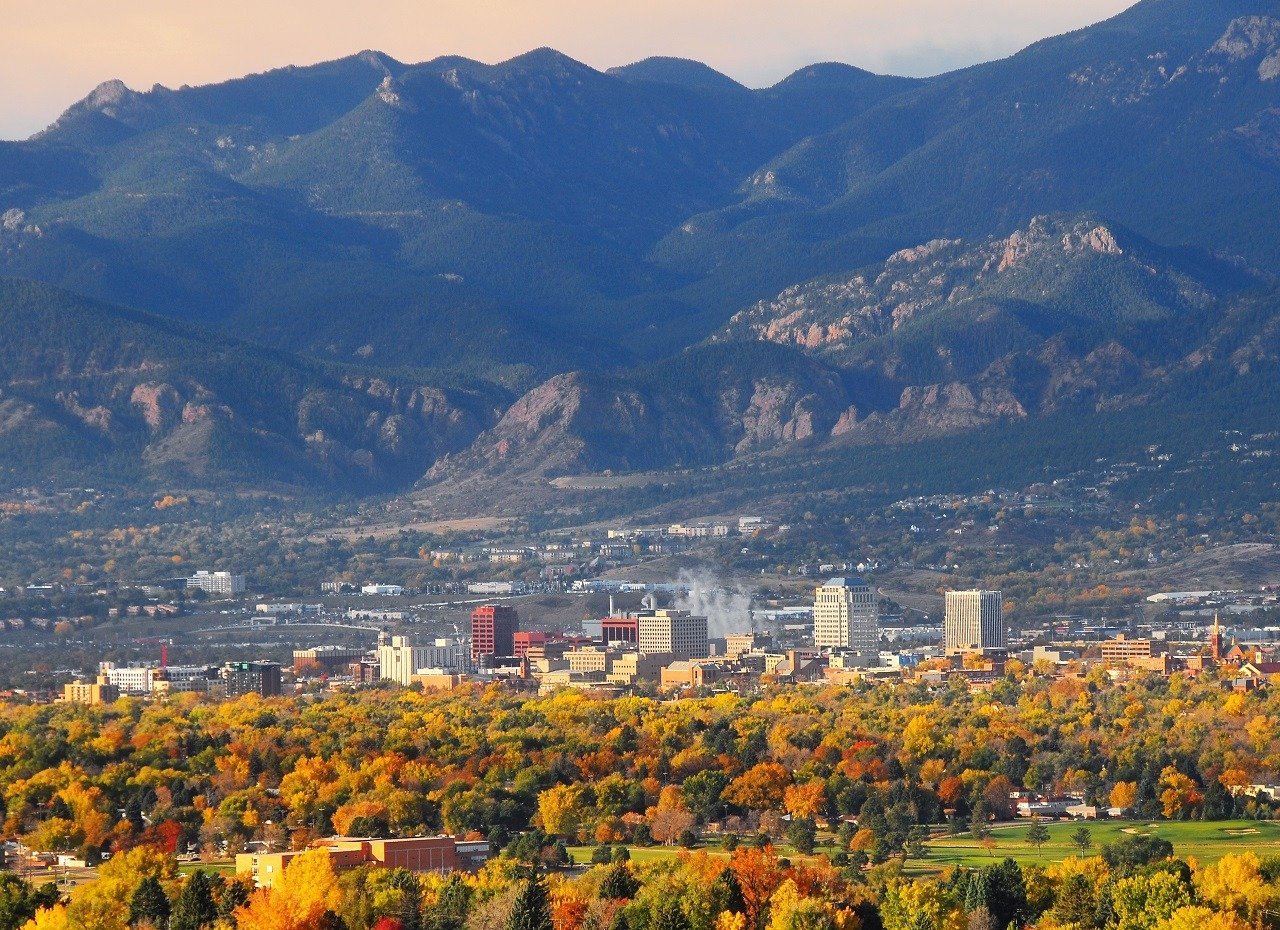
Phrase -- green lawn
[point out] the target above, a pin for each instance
(1206, 842)
(581, 855)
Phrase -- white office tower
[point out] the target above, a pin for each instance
(974, 621)
(845, 617)
(399, 659)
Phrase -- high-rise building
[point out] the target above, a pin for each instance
(845, 616)
(399, 659)
(973, 621)
(677, 632)
(252, 678)
(223, 584)
(493, 631)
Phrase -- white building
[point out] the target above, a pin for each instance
(973, 621)
(389, 590)
(399, 659)
(134, 678)
(675, 631)
(845, 616)
(223, 584)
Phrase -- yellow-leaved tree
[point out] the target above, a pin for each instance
(1235, 884)
(305, 891)
(1196, 917)
(49, 918)
(104, 904)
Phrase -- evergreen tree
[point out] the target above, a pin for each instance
(410, 911)
(619, 883)
(531, 909)
(1007, 893)
(802, 835)
(149, 904)
(669, 916)
(195, 908)
(453, 903)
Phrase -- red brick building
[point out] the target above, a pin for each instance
(619, 630)
(493, 630)
(524, 640)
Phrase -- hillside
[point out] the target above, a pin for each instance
(93, 390)
(663, 267)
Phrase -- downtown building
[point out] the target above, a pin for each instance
(973, 621)
(677, 632)
(493, 633)
(845, 616)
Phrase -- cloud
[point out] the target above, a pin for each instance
(56, 53)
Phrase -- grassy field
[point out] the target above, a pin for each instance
(1206, 842)
(581, 855)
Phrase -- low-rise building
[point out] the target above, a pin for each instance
(90, 692)
(325, 660)
(438, 854)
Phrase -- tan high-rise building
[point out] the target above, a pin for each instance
(974, 621)
(673, 631)
(845, 616)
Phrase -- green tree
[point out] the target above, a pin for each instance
(453, 904)
(802, 834)
(669, 916)
(531, 909)
(978, 828)
(1076, 902)
(195, 908)
(619, 883)
(1038, 834)
(19, 901)
(1083, 839)
(149, 904)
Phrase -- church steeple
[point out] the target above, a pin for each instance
(1215, 639)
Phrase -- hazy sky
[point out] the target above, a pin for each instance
(53, 52)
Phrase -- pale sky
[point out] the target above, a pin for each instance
(53, 52)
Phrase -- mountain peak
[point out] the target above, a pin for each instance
(544, 59)
(684, 72)
(379, 61)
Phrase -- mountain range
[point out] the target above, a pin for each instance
(365, 274)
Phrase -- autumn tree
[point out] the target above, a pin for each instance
(306, 892)
(760, 788)
(561, 809)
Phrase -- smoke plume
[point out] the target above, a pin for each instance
(728, 610)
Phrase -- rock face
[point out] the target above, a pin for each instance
(181, 402)
(1053, 263)
(579, 422)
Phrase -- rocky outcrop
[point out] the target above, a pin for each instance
(1051, 263)
(159, 404)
